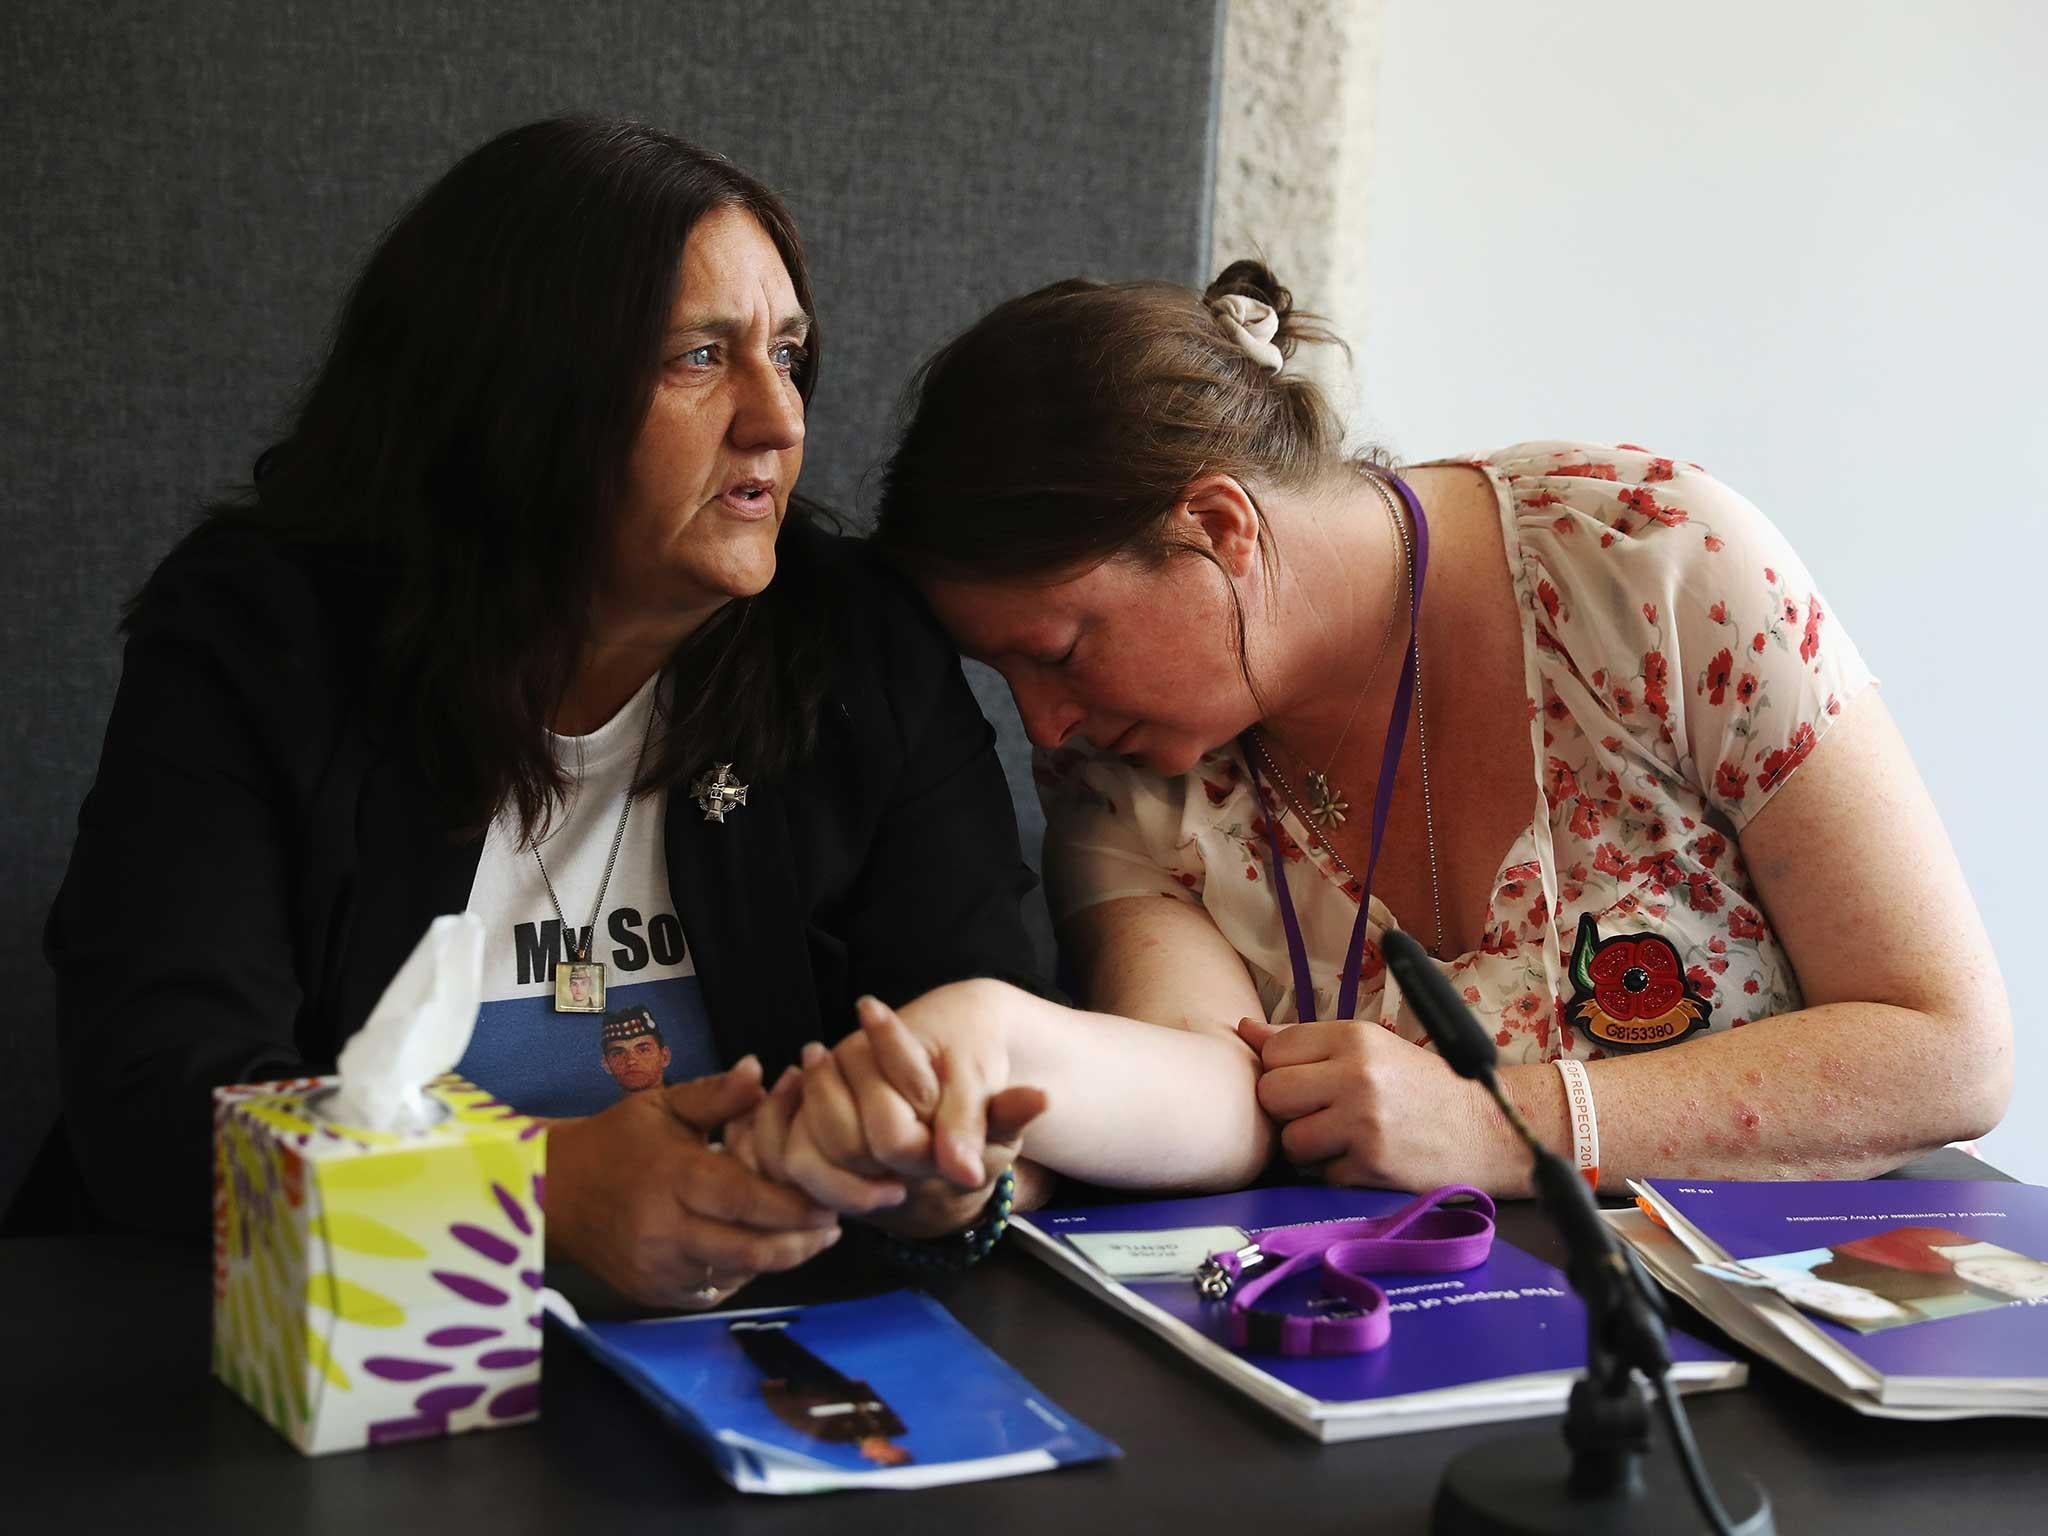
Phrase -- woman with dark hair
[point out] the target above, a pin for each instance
(524, 616)
(1576, 717)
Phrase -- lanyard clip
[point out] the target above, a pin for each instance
(1219, 1272)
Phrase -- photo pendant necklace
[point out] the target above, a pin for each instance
(579, 980)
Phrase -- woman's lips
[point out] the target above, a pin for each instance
(1122, 744)
(751, 500)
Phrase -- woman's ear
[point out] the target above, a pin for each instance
(1218, 514)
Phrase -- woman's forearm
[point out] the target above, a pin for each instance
(1134, 1104)
(1841, 1091)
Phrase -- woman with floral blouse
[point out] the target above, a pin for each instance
(1641, 799)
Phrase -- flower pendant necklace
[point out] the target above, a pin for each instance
(1327, 807)
(1407, 701)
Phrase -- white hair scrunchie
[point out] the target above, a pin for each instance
(1252, 325)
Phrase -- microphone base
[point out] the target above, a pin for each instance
(1519, 1485)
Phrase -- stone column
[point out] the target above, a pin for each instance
(1292, 149)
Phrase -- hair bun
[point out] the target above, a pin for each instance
(1255, 280)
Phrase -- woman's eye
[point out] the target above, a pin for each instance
(789, 356)
(697, 357)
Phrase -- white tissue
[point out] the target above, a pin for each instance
(418, 1030)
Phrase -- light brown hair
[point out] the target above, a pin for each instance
(1064, 427)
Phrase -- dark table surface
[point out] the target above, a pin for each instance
(109, 1420)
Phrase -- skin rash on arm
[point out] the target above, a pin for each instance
(1905, 1041)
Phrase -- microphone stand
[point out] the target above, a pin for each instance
(1613, 1485)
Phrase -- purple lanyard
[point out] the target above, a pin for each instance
(1419, 1239)
(1382, 802)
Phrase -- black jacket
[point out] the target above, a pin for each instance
(258, 855)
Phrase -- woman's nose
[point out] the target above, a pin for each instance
(1049, 717)
(770, 414)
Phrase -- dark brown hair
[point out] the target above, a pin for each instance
(469, 435)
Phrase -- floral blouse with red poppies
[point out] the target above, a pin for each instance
(1681, 665)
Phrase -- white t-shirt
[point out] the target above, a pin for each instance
(548, 1063)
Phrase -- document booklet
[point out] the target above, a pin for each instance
(1502, 1341)
(1894, 1294)
(885, 1392)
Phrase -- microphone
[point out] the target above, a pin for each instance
(1596, 1262)
(1500, 1487)
(1465, 1045)
(1596, 1257)
(1456, 1035)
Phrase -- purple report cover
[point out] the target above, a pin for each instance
(1512, 1316)
(1886, 1222)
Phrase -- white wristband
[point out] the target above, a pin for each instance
(1578, 1102)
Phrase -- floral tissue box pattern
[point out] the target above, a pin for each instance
(369, 1286)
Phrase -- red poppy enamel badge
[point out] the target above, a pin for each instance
(1629, 992)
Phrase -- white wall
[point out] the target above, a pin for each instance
(1806, 245)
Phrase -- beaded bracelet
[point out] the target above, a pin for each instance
(963, 1249)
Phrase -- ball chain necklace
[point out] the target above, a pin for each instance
(579, 982)
(1330, 807)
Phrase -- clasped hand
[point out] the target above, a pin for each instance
(641, 1196)
(907, 1122)
(1360, 1105)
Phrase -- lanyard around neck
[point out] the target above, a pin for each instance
(1382, 802)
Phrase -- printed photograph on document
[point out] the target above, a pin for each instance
(1899, 1276)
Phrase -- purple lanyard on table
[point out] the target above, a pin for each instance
(1421, 1238)
(1382, 802)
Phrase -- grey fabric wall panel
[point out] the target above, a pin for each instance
(189, 187)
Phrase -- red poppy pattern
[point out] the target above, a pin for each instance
(1684, 668)
(1657, 960)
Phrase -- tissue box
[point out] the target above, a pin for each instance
(370, 1287)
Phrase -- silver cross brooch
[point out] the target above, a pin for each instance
(718, 792)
